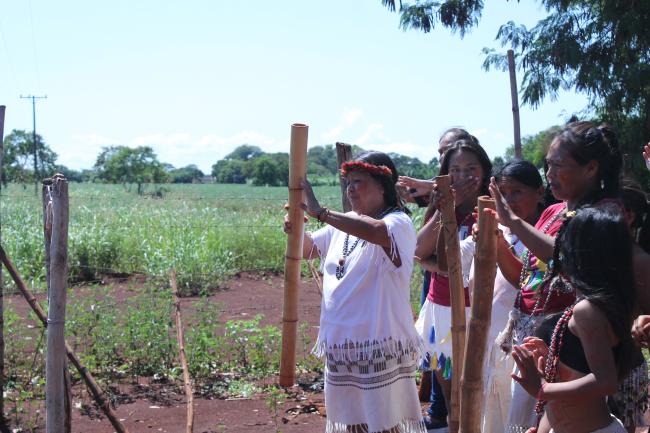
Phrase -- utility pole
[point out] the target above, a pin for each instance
(34, 146)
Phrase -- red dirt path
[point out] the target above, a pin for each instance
(244, 297)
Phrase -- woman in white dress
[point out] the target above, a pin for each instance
(366, 329)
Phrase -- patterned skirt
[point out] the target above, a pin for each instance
(372, 394)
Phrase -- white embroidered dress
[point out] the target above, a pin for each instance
(366, 332)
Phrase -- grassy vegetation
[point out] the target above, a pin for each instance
(207, 233)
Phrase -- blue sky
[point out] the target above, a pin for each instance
(194, 79)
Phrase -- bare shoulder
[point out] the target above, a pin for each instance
(584, 310)
(589, 320)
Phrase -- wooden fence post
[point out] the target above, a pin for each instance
(55, 364)
(485, 269)
(101, 400)
(343, 153)
(4, 428)
(515, 103)
(189, 394)
(293, 256)
(450, 232)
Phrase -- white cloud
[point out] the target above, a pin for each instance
(373, 133)
(178, 149)
(162, 140)
(479, 132)
(349, 117)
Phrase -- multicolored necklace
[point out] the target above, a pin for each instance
(526, 268)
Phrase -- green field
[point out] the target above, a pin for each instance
(206, 232)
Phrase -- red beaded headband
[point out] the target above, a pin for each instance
(348, 166)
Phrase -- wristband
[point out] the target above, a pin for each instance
(322, 214)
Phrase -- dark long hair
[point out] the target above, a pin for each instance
(525, 173)
(595, 253)
(636, 202)
(455, 134)
(391, 197)
(587, 142)
(469, 145)
(522, 171)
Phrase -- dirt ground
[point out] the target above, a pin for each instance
(151, 407)
(148, 406)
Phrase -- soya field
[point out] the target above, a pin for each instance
(206, 232)
(124, 331)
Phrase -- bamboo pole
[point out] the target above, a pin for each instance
(450, 232)
(4, 428)
(293, 255)
(343, 153)
(94, 389)
(485, 269)
(515, 103)
(189, 393)
(55, 392)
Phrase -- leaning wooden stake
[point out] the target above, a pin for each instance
(485, 269)
(4, 428)
(343, 153)
(94, 389)
(293, 255)
(450, 232)
(515, 103)
(189, 393)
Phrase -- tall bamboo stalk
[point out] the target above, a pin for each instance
(343, 154)
(189, 393)
(449, 230)
(95, 390)
(515, 103)
(293, 255)
(4, 428)
(485, 270)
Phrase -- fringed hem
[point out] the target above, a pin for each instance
(406, 426)
(353, 351)
(517, 429)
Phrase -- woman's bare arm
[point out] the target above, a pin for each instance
(428, 237)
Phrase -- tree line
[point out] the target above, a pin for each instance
(246, 164)
(140, 166)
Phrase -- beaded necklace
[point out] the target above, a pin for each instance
(340, 268)
(526, 267)
(553, 356)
